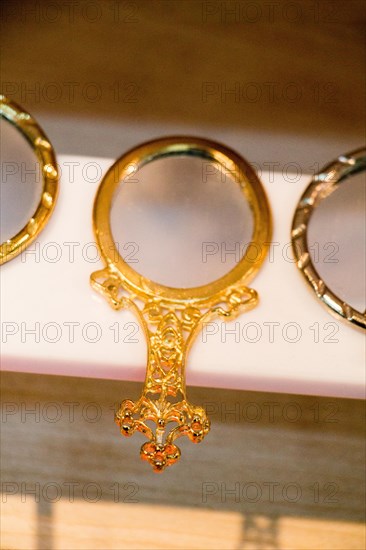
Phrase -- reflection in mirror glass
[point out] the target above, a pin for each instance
(337, 240)
(21, 181)
(181, 221)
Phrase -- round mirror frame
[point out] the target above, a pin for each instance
(320, 187)
(43, 149)
(234, 165)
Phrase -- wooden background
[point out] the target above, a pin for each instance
(310, 451)
(160, 55)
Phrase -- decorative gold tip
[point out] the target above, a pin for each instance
(160, 451)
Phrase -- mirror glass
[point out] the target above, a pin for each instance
(337, 240)
(181, 221)
(21, 181)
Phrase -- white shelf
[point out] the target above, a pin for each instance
(50, 296)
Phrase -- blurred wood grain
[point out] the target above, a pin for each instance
(276, 472)
(289, 76)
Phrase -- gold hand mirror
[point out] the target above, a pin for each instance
(194, 189)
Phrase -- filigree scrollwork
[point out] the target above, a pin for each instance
(170, 328)
(160, 450)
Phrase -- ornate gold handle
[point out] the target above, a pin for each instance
(170, 329)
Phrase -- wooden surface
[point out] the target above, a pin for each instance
(310, 451)
(289, 80)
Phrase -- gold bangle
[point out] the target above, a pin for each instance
(171, 317)
(39, 142)
(320, 187)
